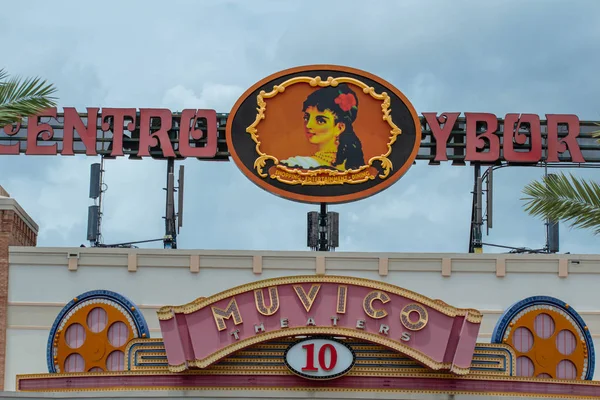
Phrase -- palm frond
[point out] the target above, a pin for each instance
(596, 133)
(569, 199)
(23, 97)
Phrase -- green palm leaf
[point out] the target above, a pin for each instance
(562, 198)
(23, 97)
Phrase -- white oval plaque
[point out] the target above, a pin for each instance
(319, 358)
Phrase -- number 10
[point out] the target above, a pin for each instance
(310, 357)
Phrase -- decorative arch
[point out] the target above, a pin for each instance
(549, 337)
(91, 332)
(200, 333)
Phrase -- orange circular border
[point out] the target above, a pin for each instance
(325, 199)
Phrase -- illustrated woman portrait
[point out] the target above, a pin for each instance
(329, 113)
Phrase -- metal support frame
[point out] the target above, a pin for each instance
(170, 238)
(322, 229)
(455, 153)
(323, 239)
(476, 240)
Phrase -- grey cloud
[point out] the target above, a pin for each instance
(493, 56)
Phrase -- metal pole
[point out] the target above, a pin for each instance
(475, 245)
(323, 228)
(99, 227)
(170, 239)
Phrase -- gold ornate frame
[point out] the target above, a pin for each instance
(167, 312)
(260, 162)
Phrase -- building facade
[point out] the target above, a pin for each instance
(76, 319)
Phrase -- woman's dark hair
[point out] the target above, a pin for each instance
(349, 147)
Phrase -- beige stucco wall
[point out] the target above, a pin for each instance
(43, 280)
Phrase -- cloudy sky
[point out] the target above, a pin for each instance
(499, 56)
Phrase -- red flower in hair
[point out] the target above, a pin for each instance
(346, 101)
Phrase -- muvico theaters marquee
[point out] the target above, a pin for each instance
(197, 323)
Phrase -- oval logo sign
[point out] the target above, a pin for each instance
(318, 358)
(323, 134)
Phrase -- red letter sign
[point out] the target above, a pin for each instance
(512, 123)
(88, 134)
(476, 141)
(440, 134)
(310, 357)
(187, 128)
(556, 145)
(10, 131)
(332, 355)
(319, 358)
(34, 130)
(148, 139)
(119, 115)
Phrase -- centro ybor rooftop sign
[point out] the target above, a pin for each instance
(314, 134)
